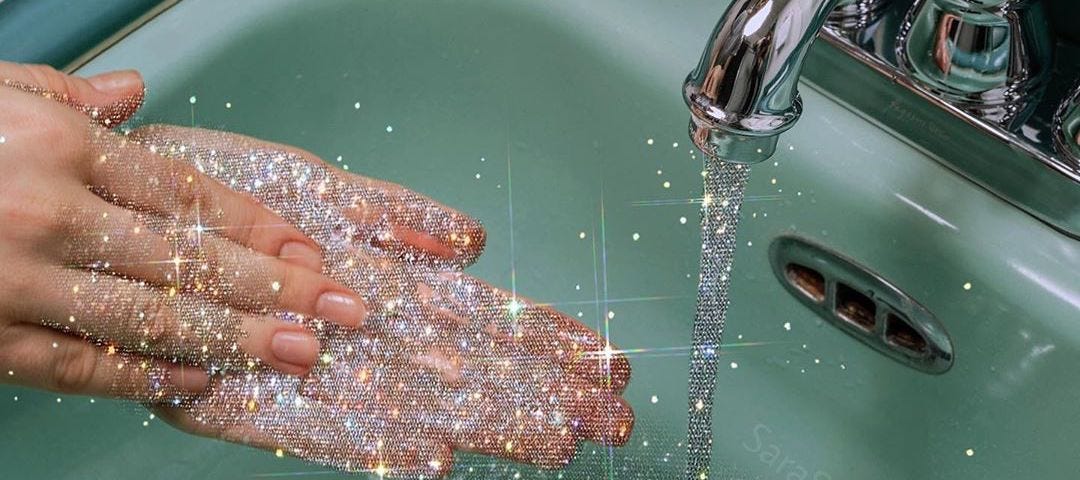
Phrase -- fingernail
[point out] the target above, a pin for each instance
(188, 379)
(423, 241)
(295, 348)
(117, 82)
(301, 254)
(341, 308)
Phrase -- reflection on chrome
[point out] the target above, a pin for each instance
(989, 57)
(1067, 127)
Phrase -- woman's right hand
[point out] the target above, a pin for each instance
(90, 246)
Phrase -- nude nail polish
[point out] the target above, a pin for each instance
(295, 348)
(341, 308)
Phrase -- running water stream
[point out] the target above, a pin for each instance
(725, 184)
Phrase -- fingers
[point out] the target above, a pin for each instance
(576, 347)
(267, 412)
(134, 177)
(109, 98)
(540, 330)
(189, 259)
(42, 358)
(415, 226)
(182, 328)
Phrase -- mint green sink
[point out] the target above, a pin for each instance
(578, 104)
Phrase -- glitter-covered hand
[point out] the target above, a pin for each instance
(101, 238)
(445, 362)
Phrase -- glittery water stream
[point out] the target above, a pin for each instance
(725, 184)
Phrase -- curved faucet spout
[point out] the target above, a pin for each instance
(744, 93)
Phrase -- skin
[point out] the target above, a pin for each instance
(48, 158)
(54, 174)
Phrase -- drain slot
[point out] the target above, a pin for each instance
(810, 282)
(900, 333)
(862, 304)
(856, 308)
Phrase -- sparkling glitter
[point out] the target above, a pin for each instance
(356, 106)
(3, 139)
(675, 145)
(279, 453)
(967, 286)
(654, 399)
(581, 235)
(667, 184)
(228, 104)
(649, 141)
(636, 236)
(389, 129)
(787, 326)
(970, 452)
(719, 219)
(478, 176)
(682, 220)
(382, 396)
(734, 365)
(192, 100)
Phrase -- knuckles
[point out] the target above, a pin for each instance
(74, 367)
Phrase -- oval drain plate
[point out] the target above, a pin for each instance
(862, 304)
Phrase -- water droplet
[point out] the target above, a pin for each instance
(192, 100)
(682, 220)
(389, 129)
(356, 105)
(581, 235)
(654, 399)
(967, 286)
(649, 141)
(637, 237)
(228, 104)
(734, 365)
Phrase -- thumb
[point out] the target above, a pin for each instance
(111, 97)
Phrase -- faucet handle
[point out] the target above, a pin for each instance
(988, 57)
(856, 14)
(1067, 127)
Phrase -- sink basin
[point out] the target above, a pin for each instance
(568, 115)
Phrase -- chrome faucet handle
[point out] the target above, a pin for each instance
(987, 57)
(1067, 127)
(854, 14)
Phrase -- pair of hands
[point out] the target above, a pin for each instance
(338, 321)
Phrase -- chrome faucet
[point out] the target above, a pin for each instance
(744, 93)
(975, 82)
